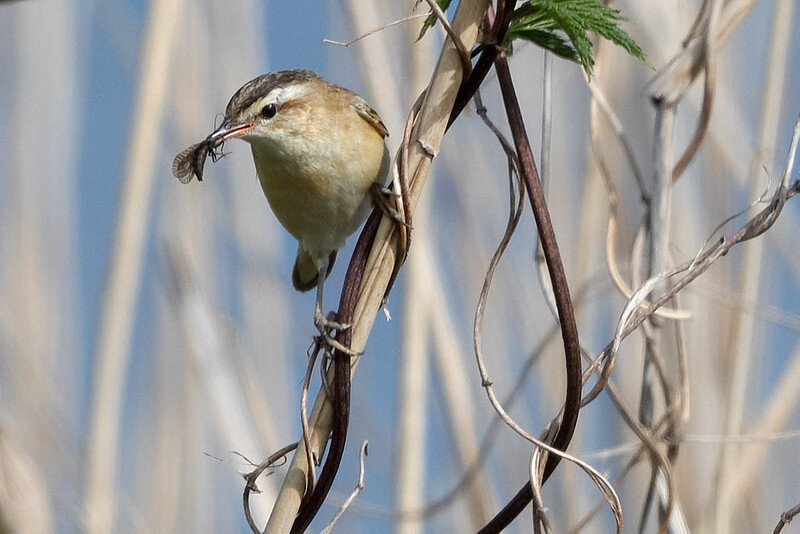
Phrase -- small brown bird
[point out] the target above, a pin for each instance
(320, 156)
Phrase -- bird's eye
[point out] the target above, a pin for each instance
(269, 111)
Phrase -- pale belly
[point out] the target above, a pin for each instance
(322, 197)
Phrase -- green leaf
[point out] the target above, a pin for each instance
(548, 40)
(431, 19)
(544, 21)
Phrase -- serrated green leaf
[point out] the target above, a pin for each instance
(549, 40)
(535, 19)
(575, 18)
(431, 19)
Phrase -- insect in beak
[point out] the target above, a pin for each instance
(191, 161)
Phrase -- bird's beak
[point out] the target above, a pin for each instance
(227, 131)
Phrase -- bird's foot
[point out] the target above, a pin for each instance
(384, 200)
(325, 325)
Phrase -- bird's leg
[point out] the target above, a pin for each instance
(326, 323)
(319, 318)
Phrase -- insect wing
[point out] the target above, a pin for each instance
(183, 166)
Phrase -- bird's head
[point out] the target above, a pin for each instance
(272, 108)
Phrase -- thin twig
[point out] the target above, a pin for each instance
(463, 54)
(709, 87)
(786, 518)
(599, 99)
(547, 120)
(496, 35)
(547, 134)
(540, 520)
(508, 148)
(375, 30)
(250, 482)
(362, 455)
(312, 358)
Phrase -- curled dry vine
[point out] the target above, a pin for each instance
(362, 456)
(634, 315)
(378, 246)
(251, 478)
(786, 518)
(471, 78)
(569, 329)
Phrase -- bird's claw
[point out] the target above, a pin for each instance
(385, 199)
(328, 342)
(327, 323)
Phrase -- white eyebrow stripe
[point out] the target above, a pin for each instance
(278, 96)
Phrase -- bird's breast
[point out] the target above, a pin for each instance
(318, 185)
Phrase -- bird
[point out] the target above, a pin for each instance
(321, 158)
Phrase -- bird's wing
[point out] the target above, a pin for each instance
(370, 115)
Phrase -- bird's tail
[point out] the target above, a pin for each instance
(305, 274)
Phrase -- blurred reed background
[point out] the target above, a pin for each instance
(149, 329)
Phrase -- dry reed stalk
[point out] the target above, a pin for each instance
(166, 488)
(237, 53)
(679, 74)
(24, 500)
(412, 383)
(704, 35)
(259, 346)
(780, 408)
(40, 338)
(660, 217)
(122, 284)
(741, 340)
(163, 475)
(426, 139)
(216, 375)
(423, 272)
(412, 387)
(455, 387)
(375, 56)
(38, 224)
